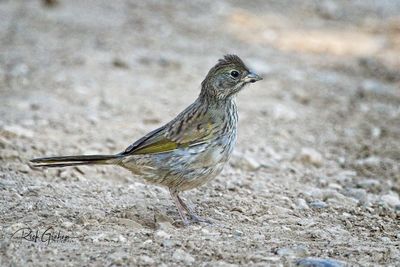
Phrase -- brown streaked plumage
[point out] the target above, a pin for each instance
(192, 148)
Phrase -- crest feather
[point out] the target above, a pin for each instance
(232, 59)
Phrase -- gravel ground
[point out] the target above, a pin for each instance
(315, 175)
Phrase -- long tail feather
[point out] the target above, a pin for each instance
(74, 160)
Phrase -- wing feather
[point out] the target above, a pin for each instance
(187, 130)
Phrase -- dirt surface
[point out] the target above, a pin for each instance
(315, 173)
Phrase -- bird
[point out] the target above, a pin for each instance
(192, 148)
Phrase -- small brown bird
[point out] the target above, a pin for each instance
(192, 148)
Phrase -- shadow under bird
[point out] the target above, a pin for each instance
(191, 149)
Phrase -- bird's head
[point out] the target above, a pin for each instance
(227, 78)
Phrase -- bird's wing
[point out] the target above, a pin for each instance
(188, 130)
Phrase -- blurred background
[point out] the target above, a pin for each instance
(320, 132)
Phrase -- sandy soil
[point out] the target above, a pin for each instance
(315, 173)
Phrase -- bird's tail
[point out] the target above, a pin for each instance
(74, 160)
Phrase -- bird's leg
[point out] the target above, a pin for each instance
(191, 212)
(179, 206)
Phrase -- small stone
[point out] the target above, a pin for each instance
(121, 239)
(318, 262)
(335, 186)
(386, 239)
(168, 243)
(146, 260)
(237, 233)
(245, 162)
(148, 242)
(341, 200)
(292, 252)
(370, 184)
(19, 131)
(130, 223)
(301, 204)
(50, 3)
(376, 132)
(311, 156)
(160, 235)
(67, 224)
(392, 200)
(20, 70)
(327, 9)
(182, 256)
(357, 193)
(370, 162)
(119, 63)
(318, 204)
(284, 252)
(24, 168)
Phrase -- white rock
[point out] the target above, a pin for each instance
(327, 9)
(67, 224)
(292, 252)
(146, 260)
(370, 162)
(244, 162)
(370, 184)
(391, 199)
(307, 262)
(182, 256)
(161, 235)
(301, 204)
(131, 224)
(376, 132)
(357, 193)
(121, 239)
(311, 156)
(19, 131)
(318, 204)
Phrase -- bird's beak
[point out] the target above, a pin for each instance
(251, 78)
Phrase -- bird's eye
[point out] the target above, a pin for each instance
(234, 74)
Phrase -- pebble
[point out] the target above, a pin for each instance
(130, 223)
(67, 224)
(357, 193)
(318, 204)
(370, 185)
(292, 252)
(311, 156)
(182, 256)
(24, 168)
(370, 162)
(168, 243)
(19, 131)
(237, 233)
(20, 70)
(160, 235)
(376, 132)
(318, 262)
(327, 9)
(244, 162)
(392, 200)
(119, 63)
(146, 260)
(301, 204)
